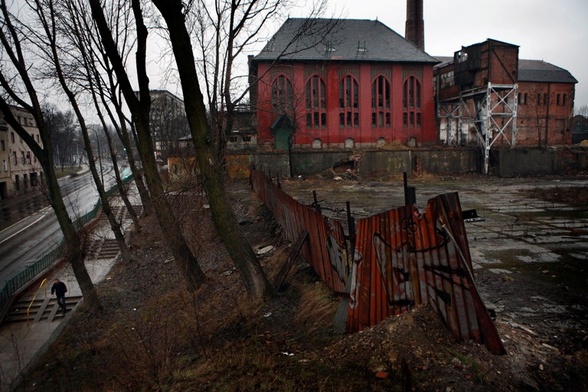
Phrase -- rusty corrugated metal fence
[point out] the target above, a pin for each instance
(402, 258)
(325, 249)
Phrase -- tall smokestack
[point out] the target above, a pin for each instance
(415, 25)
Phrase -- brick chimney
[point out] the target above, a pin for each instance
(415, 25)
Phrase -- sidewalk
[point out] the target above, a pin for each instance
(21, 343)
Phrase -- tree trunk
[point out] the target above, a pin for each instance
(223, 216)
(121, 186)
(74, 243)
(140, 108)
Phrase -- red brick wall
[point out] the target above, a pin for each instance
(544, 113)
(333, 135)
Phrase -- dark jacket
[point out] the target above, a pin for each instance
(59, 289)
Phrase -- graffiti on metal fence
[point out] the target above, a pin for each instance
(398, 259)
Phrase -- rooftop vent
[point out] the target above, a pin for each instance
(330, 47)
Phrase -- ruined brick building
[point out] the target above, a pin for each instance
(485, 93)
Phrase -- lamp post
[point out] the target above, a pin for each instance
(99, 156)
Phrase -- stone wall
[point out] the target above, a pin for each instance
(441, 161)
(366, 163)
(535, 161)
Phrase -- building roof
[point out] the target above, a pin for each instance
(529, 71)
(443, 61)
(541, 71)
(304, 39)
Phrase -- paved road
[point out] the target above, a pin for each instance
(33, 236)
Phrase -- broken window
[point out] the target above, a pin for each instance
(316, 103)
(411, 102)
(381, 102)
(349, 102)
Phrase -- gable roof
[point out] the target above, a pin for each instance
(342, 40)
(541, 71)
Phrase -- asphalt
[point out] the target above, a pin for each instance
(23, 342)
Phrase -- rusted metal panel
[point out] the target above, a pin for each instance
(325, 249)
(402, 258)
(408, 258)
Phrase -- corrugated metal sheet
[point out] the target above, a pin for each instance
(402, 259)
(325, 249)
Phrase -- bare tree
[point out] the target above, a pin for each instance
(140, 109)
(223, 216)
(226, 30)
(581, 111)
(77, 28)
(234, 25)
(54, 48)
(18, 87)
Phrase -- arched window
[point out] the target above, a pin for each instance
(282, 94)
(316, 104)
(411, 102)
(381, 115)
(349, 102)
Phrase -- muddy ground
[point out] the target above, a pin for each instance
(530, 252)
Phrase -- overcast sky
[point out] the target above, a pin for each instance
(555, 31)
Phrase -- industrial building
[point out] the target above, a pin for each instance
(487, 96)
(343, 84)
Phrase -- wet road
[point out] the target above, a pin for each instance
(32, 235)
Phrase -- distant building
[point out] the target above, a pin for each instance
(168, 122)
(486, 93)
(20, 171)
(322, 83)
(244, 133)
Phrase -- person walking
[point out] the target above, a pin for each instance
(59, 289)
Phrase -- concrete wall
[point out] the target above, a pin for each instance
(531, 162)
(366, 163)
(503, 162)
(273, 163)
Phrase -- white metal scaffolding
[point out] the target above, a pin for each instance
(491, 110)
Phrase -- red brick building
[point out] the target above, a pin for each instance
(322, 83)
(487, 95)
